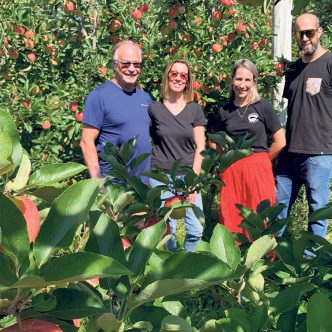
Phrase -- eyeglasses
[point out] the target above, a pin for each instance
(174, 74)
(309, 33)
(127, 64)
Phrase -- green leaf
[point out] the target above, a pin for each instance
(7, 275)
(6, 166)
(22, 175)
(107, 234)
(138, 160)
(210, 326)
(83, 266)
(157, 174)
(66, 214)
(287, 321)
(108, 323)
(126, 150)
(14, 234)
(239, 318)
(137, 184)
(72, 304)
(232, 156)
(7, 125)
(53, 173)
(161, 288)
(288, 298)
(144, 245)
(258, 249)
(49, 193)
(319, 313)
(6, 146)
(299, 6)
(174, 323)
(319, 214)
(259, 318)
(223, 246)
(195, 265)
(175, 169)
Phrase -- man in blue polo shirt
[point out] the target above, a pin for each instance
(116, 111)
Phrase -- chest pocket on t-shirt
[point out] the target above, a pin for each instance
(313, 85)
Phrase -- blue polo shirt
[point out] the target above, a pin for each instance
(119, 115)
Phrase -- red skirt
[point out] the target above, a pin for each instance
(247, 182)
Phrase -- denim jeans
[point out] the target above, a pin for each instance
(194, 229)
(312, 171)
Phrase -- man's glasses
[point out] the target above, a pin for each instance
(174, 74)
(309, 33)
(127, 64)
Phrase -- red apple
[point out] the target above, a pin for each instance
(198, 21)
(279, 66)
(115, 25)
(216, 47)
(26, 104)
(231, 11)
(50, 49)
(224, 40)
(102, 71)
(153, 221)
(185, 38)
(29, 44)
(125, 243)
(227, 3)
(44, 156)
(32, 57)
(172, 24)
(196, 85)
(73, 106)
(5, 41)
(181, 9)
(46, 124)
(69, 7)
(30, 214)
(79, 116)
(20, 30)
(254, 45)
(177, 213)
(136, 14)
(165, 30)
(93, 282)
(240, 27)
(172, 12)
(206, 89)
(231, 36)
(144, 8)
(197, 96)
(13, 54)
(216, 15)
(263, 42)
(33, 325)
(29, 34)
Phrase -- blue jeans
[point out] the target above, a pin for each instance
(194, 229)
(312, 171)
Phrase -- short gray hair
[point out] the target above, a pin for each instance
(125, 43)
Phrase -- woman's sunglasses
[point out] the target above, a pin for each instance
(174, 74)
(309, 33)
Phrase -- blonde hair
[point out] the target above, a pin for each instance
(188, 92)
(253, 94)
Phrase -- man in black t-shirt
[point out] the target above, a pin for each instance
(307, 159)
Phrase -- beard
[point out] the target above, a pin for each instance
(309, 51)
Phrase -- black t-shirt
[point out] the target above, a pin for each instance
(173, 136)
(259, 120)
(308, 89)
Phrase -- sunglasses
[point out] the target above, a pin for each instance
(127, 64)
(174, 74)
(309, 33)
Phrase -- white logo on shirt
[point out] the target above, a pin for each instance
(253, 117)
(144, 105)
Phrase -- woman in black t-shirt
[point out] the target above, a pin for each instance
(249, 180)
(178, 132)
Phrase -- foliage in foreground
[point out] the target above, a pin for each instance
(263, 285)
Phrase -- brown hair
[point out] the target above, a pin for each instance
(247, 64)
(188, 92)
